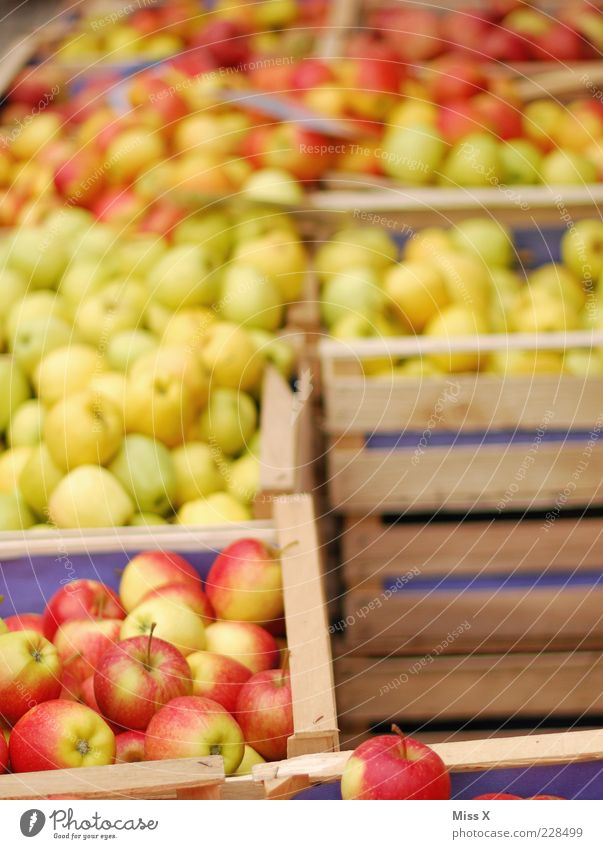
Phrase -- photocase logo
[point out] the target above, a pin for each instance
(32, 822)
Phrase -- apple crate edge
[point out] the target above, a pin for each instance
(293, 530)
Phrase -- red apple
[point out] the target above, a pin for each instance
(81, 643)
(497, 796)
(393, 766)
(227, 42)
(129, 747)
(310, 73)
(265, 713)
(544, 796)
(455, 77)
(458, 119)
(193, 63)
(25, 622)
(157, 93)
(217, 677)
(72, 688)
(161, 218)
(192, 726)
(501, 44)
(248, 643)
(60, 734)
(414, 33)
(376, 84)
(30, 672)
(558, 43)
(80, 599)
(144, 20)
(303, 153)
(188, 595)
(465, 29)
(152, 569)
(136, 677)
(35, 86)
(118, 206)
(80, 178)
(504, 118)
(3, 755)
(245, 582)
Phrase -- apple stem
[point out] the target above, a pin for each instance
(153, 626)
(275, 551)
(400, 734)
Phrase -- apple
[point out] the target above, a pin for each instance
(135, 677)
(355, 247)
(417, 290)
(30, 672)
(192, 726)
(184, 276)
(83, 278)
(355, 291)
(456, 320)
(211, 228)
(547, 797)
(215, 509)
(245, 582)
(39, 304)
(503, 117)
(119, 206)
(558, 281)
(11, 466)
(392, 766)
(455, 77)
(89, 497)
(37, 255)
(541, 310)
(499, 797)
(138, 254)
(226, 42)
(65, 371)
(25, 622)
(251, 299)
(145, 469)
(414, 32)
(558, 43)
(4, 760)
(465, 29)
(229, 420)
(474, 161)
(412, 154)
(521, 162)
(125, 347)
(501, 44)
(150, 570)
(34, 136)
(15, 515)
(485, 238)
(172, 622)
(158, 404)
(131, 152)
(188, 595)
(563, 167)
(36, 337)
(179, 363)
(264, 710)
(278, 256)
(582, 249)
(217, 677)
(197, 471)
(117, 307)
(83, 429)
(273, 185)
(80, 599)
(244, 478)
(14, 285)
(60, 734)
(246, 642)
(79, 178)
(310, 73)
(541, 120)
(39, 477)
(250, 759)
(129, 747)
(81, 643)
(460, 118)
(14, 389)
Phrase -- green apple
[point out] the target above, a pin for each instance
(111, 385)
(36, 337)
(216, 509)
(158, 404)
(486, 239)
(146, 470)
(583, 363)
(521, 162)
(11, 466)
(250, 759)
(354, 326)
(582, 249)
(15, 515)
(244, 478)
(229, 420)
(157, 317)
(559, 282)
(353, 291)
(83, 279)
(564, 167)
(197, 467)
(275, 350)
(82, 429)
(166, 619)
(273, 185)
(181, 364)
(138, 254)
(251, 224)
(250, 298)
(278, 255)
(142, 520)
(540, 311)
(213, 229)
(14, 389)
(185, 276)
(187, 327)
(39, 477)
(90, 497)
(427, 244)
(96, 243)
(355, 247)
(412, 154)
(230, 357)
(525, 362)
(13, 286)
(506, 286)
(456, 320)
(125, 348)
(65, 371)
(467, 280)
(474, 161)
(38, 255)
(119, 306)
(43, 304)
(69, 221)
(26, 424)
(417, 290)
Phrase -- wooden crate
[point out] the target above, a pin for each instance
(521, 585)
(567, 764)
(460, 442)
(32, 567)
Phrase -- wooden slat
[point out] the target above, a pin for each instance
(527, 686)
(314, 711)
(137, 780)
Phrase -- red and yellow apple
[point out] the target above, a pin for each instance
(30, 673)
(80, 599)
(246, 642)
(217, 677)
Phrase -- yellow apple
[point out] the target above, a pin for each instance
(273, 185)
(279, 256)
(11, 466)
(39, 477)
(160, 405)
(417, 290)
(230, 357)
(355, 247)
(216, 509)
(427, 244)
(184, 277)
(25, 427)
(197, 471)
(250, 298)
(89, 497)
(65, 371)
(454, 321)
(82, 429)
(467, 280)
(229, 420)
(119, 306)
(174, 623)
(187, 327)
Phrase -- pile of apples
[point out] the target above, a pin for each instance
(130, 390)
(461, 282)
(170, 668)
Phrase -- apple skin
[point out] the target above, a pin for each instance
(25, 622)
(192, 726)
(129, 747)
(250, 759)
(179, 625)
(265, 713)
(245, 583)
(60, 734)
(81, 643)
(544, 796)
(3, 755)
(188, 595)
(217, 677)
(138, 676)
(246, 642)
(80, 599)
(391, 767)
(30, 673)
(496, 796)
(152, 569)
